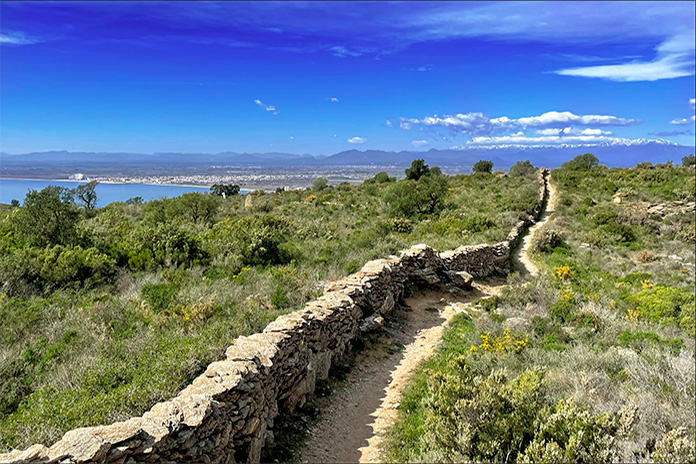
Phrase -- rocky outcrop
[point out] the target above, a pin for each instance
(227, 413)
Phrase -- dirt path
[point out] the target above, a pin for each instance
(354, 418)
(521, 260)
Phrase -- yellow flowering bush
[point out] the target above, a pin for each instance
(563, 272)
(506, 342)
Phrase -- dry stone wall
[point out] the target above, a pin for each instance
(227, 413)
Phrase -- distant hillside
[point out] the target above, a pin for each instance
(620, 153)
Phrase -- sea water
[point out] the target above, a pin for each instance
(16, 189)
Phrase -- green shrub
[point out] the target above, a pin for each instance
(483, 166)
(279, 297)
(417, 170)
(663, 304)
(28, 270)
(159, 296)
(523, 169)
(583, 162)
(675, 446)
(569, 433)
(383, 178)
(563, 310)
(48, 217)
(320, 184)
(547, 239)
(401, 225)
(410, 198)
(635, 340)
(477, 223)
(688, 160)
(464, 417)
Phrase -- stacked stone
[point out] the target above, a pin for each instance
(227, 413)
(477, 260)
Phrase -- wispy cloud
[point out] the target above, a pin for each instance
(668, 24)
(671, 133)
(267, 107)
(479, 124)
(342, 52)
(419, 143)
(670, 66)
(692, 102)
(424, 68)
(357, 140)
(333, 100)
(17, 38)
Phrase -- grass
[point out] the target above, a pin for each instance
(610, 326)
(182, 286)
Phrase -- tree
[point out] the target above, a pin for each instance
(14, 202)
(583, 162)
(135, 201)
(194, 206)
(483, 166)
(225, 190)
(688, 160)
(87, 195)
(522, 169)
(383, 178)
(410, 198)
(320, 184)
(47, 217)
(417, 170)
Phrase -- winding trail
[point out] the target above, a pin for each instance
(521, 260)
(354, 417)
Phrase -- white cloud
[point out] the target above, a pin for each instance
(682, 121)
(356, 140)
(566, 117)
(692, 102)
(292, 138)
(573, 131)
(479, 124)
(669, 24)
(389, 123)
(267, 107)
(669, 67)
(546, 139)
(333, 99)
(342, 52)
(674, 58)
(419, 143)
(17, 38)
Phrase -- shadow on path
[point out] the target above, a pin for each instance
(351, 415)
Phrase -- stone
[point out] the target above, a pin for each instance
(460, 278)
(371, 323)
(81, 445)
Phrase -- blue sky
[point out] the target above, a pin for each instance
(322, 77)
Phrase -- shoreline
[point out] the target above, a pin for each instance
(202, 186)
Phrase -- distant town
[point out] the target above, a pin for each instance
(247, 180)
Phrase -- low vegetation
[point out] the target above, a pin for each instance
(106, 311)
(591, 361)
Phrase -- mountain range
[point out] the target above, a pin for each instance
(613, 154)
